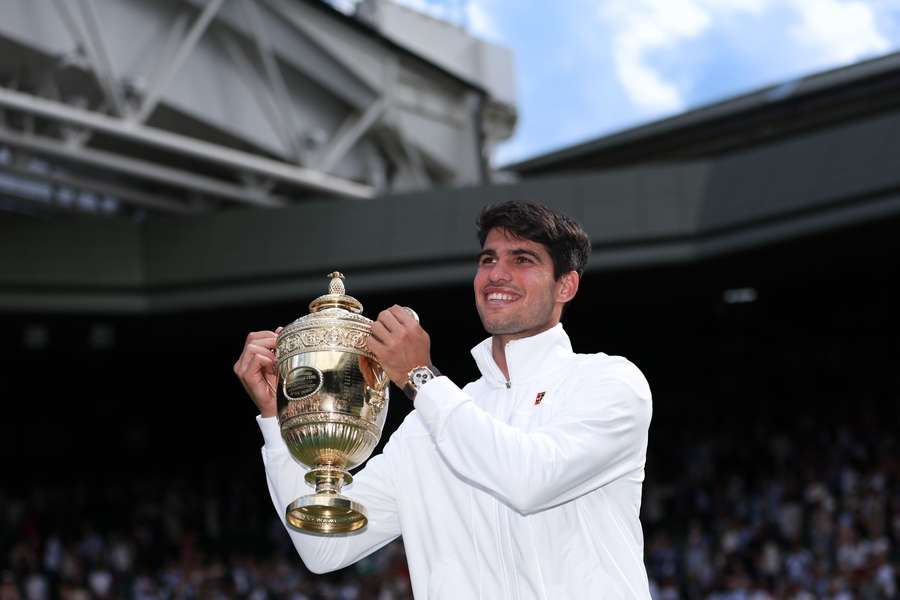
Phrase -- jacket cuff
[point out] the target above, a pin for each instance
(436, 400)
(271, 433)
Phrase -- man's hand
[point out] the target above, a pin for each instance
(256, 369)
(399, 343)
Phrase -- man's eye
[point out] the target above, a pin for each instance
(523, 260)
(486, 260)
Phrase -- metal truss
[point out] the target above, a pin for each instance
(180, 144)
(325, 107)
(69, 129)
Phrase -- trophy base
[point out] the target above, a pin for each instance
(326, 514)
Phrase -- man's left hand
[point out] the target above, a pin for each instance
(399, 343)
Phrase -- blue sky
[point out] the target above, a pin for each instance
(586, 68)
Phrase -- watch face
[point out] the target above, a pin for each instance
(420, 376)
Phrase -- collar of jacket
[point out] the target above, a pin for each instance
(526, 358)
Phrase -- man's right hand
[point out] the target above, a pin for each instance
(256, 369)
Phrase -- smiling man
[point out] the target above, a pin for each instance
(525, 483)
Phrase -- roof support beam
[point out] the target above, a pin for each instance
(276, 81)
(180, 144)
(96, 50)
(267, 104)
(347, 87)
(127, 194)
(141, 169)
(350, 131)
(187, 46)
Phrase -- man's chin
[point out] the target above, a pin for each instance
(500, 327)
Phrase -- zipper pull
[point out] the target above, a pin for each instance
(508, 384)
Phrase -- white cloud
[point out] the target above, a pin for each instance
(474, 15)
(640, 27)
(753, 7)
(645, 26)
(838, 32)
(480, 22)
(824, 33)
(444, 11)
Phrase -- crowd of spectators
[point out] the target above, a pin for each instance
(801, 512)
(159, 537)
(806, 512)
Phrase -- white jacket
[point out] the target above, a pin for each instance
(496, 495)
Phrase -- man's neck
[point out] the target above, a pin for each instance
(498, 345)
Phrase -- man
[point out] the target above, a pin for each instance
(523, 484)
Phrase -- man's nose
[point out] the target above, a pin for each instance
(499, 272)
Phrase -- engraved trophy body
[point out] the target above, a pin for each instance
(332, 398)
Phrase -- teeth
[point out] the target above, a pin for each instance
(498, 296)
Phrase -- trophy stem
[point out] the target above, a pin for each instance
(328, 485)
(328, 479)
(326, 511)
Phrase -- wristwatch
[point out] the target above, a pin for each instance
(418, 377)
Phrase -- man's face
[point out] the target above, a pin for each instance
(515, 292)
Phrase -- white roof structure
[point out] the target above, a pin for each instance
(186, 106)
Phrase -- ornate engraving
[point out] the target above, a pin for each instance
(319, 418)
(312, 337)
(357, 339)
(325, 334)
(334, 337)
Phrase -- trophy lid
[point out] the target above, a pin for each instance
(336, 297)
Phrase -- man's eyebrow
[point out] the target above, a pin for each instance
(521, 251)
(490, 252)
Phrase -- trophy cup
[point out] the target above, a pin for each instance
(332, 398)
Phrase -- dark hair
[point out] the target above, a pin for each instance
(565, 240)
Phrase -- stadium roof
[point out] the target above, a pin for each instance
(786, 109)
(360, 24)
(219, 105)
(783, 164)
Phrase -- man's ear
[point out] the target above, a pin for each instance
(568, 287)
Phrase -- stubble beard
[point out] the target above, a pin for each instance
(498, 326)
(514, 324)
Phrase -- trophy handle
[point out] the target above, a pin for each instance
(375, 396)
(381, 379)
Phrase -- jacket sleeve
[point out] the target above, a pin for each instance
(598, 436)
(373, 486)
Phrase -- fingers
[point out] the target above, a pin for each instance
(266, 338)
(256, 368)
(375, 346)
(394, 328)
(378, 333)
(258, 343)
(404, 315)
(394, 320)
(260, 353)
(388, 318)
(256, 372)
(386, 326)
(254, 364)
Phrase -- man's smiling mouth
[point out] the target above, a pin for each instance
(499, 298)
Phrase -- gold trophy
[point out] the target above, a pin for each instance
(332, 401)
